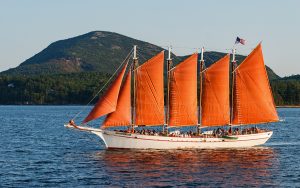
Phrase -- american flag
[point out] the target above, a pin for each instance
(239, 40)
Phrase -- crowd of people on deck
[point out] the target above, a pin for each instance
(219, 132)
(236, 131)
(148, 132)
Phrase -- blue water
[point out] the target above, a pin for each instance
(37, 151)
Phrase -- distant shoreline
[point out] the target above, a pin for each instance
(289, 106)
(285, 106)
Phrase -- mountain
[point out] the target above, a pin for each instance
(97, 51)
(89, 52)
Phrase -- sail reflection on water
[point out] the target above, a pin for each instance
(251, 167)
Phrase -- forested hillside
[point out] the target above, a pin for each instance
(79, 88)
(287, 90)
(75, 88)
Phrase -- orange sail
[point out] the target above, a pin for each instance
(183, 93)
(253, 101)
(122, 115)
(108, 102)
(150, 92)
(215, 108)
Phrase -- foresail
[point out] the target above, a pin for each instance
(183, 93)
(108, 102)
(150, 92)
(215, 107)
(253, 101)
(122, 115)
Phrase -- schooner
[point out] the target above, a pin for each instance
(136, 98)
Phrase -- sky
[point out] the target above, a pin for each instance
(27, 27)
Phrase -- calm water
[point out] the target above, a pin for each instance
(37, 151)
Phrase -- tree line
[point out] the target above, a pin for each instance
(79, 88)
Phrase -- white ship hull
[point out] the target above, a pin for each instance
(113, 139)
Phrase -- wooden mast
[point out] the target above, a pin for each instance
(233, 67)
(200, 95)
(134, 66)
(169, 65)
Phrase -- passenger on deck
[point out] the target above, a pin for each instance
(71, 122)
(257, 130)
(229, 131)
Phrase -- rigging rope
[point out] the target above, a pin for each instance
(83, 108)
(210, 49)
(140, 55)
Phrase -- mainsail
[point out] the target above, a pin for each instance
(149, 109)
(253, 101)
(215, 108)
(183, 93)
(122, 115)
(108, 102)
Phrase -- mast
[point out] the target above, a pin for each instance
(233, 66)
(134, 66)
(169, 65)
(200, 95)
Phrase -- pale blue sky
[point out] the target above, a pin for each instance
(27, 27)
